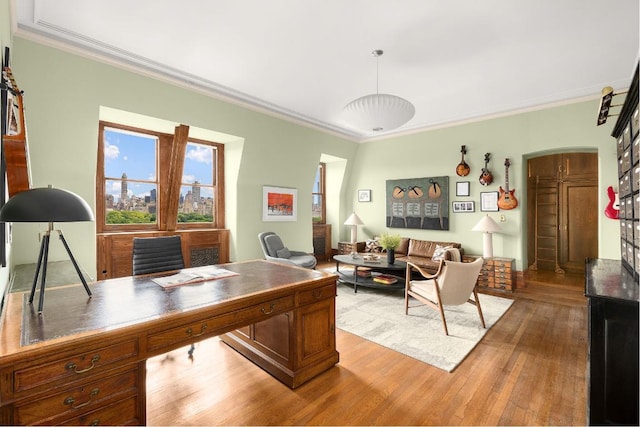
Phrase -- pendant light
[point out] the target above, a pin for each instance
(380, 111)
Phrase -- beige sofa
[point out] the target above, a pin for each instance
(419, 252)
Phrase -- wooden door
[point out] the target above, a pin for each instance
(579, 224)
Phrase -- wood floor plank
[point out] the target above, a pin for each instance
(528, 370)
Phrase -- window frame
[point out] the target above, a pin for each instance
(322, 169)
(169, 180)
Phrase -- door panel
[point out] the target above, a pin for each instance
(579, 239)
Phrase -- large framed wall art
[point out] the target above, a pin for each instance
(418, 203)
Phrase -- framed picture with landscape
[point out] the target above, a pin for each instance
(279, 204)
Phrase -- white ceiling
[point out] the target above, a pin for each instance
(455, 60)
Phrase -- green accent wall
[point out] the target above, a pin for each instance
(64, 94)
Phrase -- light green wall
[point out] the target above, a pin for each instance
(437, 153)
(63, 95)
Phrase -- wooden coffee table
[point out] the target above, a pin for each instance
(383, 266)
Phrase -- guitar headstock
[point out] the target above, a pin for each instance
(463, 150)
(487, 156)
(507, 163)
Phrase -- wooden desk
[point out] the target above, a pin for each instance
(84, 359)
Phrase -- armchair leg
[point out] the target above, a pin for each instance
(444, 320)
(477, 304)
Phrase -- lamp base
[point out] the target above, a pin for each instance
(487, 245)
(42, 264)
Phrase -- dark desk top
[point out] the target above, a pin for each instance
(607, 278)
(126, 301)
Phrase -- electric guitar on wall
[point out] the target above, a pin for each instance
(613, 207)
(506, 199)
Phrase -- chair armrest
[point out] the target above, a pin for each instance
(423, 272)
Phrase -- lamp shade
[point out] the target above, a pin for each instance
(487, 225)
(46, 205)
(353, 220)
(378, 112)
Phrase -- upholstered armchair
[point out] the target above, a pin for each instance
(275, 250)
(453, 284)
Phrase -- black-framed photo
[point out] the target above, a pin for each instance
(489, 201)
(463, 207)
(364, 195)
(463, 188)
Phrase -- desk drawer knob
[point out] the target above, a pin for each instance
(71, 401)
(271, 307)
(71, 366)
(203, 328)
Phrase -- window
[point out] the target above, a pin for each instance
(140, 187)
(318, 196)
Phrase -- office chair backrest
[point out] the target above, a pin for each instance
(156, 254)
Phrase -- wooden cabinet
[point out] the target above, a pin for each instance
(612, 370)
(199, 247)
(345, 248)
(292, 346)
(322, 241)
(627, 134)
(498, 273)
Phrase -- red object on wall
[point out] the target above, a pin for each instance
(613, 207)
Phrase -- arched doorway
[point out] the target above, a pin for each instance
(562, 211)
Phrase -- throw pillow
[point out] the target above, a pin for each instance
(284, 253)
(372, 246)
(438, 253)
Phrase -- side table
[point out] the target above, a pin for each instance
(496, 273)
(345, 248)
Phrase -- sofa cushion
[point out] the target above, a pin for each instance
(439, 252)
(426, 248)
(403, 248)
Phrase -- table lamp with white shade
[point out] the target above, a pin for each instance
(354, 221)
(488, 226)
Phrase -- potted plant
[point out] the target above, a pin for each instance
(390, 242)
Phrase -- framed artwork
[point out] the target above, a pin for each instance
(489, 201)
(462, 188)
(418, 203)
(279, 204)
(458, 207)
(364, 195)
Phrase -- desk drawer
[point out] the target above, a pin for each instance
(122, 413)
(218, 324)
(76, 401)
(313, 295)
(73, 366)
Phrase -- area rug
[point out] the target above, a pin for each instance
(378, 316)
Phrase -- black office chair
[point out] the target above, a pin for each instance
(157, 254)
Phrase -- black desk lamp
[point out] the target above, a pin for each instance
(47, 205)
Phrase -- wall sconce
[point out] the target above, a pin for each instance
(605, 104)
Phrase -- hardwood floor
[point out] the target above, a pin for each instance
(528, 370)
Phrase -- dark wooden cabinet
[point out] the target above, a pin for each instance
(322, 241)
(613, 343)
(627, 134)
